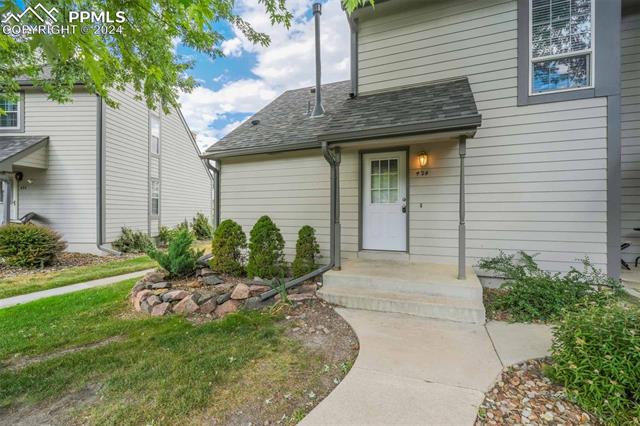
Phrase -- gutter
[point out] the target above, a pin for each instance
(215, 168)
(333, 158)
(100, 172)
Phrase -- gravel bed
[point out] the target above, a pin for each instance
(524, 396)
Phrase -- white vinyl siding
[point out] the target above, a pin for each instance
(630, 137)
(185, 187)
(126, 165)
(65, 192)
(536, 175)
(293, 189)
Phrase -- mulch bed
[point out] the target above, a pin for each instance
(65, 260)
(523, 395)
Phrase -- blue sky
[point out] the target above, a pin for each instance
(248, 77)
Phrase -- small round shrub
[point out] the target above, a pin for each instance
(131, 241)
(306, 250)
(201, 227)
(166, 234)
(266, 250)
(226, 248)
(180, 258)
(596, 356)
(29, 245)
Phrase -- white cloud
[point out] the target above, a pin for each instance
(287, 63)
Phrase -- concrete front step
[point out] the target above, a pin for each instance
(395, 282)
(447, 308)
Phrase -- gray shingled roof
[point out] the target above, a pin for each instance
(14, 147)
(284, 124)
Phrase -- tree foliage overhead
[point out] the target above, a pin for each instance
(142, 55)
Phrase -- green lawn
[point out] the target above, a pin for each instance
(29, 283)
(161, 370)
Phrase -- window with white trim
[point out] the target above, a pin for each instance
(155, 197)
(560, 45)
(154, 124)
(11, 118)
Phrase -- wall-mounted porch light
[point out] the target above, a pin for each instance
(423, 158)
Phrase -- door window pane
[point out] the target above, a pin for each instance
(384, 181)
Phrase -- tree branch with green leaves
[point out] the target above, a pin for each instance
(143, 55)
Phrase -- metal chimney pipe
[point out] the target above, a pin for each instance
(318, 110)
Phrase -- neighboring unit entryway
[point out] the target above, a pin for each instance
(384, 201)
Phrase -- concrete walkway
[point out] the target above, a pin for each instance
(26, 298)
(417, 371)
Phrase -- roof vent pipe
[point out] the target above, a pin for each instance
(318, 110)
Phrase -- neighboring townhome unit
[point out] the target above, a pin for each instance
(87, 170)
(467, 127)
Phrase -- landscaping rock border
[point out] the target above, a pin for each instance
(524, 396)
(209, 294)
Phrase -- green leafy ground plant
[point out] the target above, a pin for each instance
(596, 356)
(532, 294)
(131, 241)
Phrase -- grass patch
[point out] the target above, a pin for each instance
(29, 283)
(158, 370)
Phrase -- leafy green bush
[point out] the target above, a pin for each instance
(596, 356)
(29, 245)
(180, 258)
(131, 241)
(266, 250)
(166, 234)
(226, 248)
(306, 250)
(536, 295)
(201, 227)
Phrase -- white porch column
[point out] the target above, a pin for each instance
(462, 151)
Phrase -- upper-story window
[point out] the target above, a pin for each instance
(561, 45)
(11, 119)
(154, 124)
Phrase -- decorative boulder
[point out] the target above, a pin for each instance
(241, 292)
(140, 285)
(204, 272)
(174, 295)
(223, 288)
(160, 285)
(208, 307)
(227, 307)
(139, 297)
(153, 277)
(161, 309)
(186, 306)
(212, 280)
(153, 300)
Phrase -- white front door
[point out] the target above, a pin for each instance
(384, 201)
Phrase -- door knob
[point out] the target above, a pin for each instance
(404, 208)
